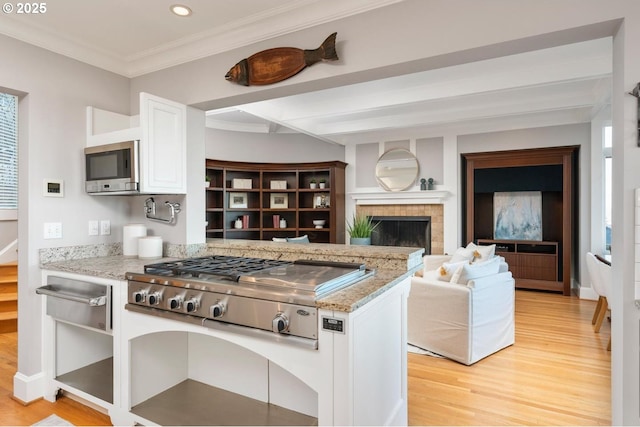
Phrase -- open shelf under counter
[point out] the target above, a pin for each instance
(214, 406)
(95, 379)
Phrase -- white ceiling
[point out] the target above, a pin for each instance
(567, 84)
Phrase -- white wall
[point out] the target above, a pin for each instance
(269, 148)
(8, 232)
(625, 323)
(54, 92)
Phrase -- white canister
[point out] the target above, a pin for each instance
(130, 235)
(150, 247)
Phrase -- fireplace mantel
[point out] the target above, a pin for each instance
(411, 197)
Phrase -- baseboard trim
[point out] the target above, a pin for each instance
(28, 389)
(587, 293)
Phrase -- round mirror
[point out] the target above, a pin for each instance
(397, 169)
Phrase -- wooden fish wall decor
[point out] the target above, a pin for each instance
(275, 65)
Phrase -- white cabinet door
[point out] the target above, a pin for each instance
(163, 147)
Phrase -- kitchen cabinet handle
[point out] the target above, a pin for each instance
(94, 301)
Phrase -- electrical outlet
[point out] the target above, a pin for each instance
(94, 228)
(105, 227)
(53, 230)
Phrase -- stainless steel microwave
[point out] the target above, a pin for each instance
(112, 168)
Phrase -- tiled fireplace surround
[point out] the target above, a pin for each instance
(435, 211)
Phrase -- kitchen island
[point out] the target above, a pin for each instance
(356, 375)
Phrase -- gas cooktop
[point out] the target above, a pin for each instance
(246, 294)
(229, 267)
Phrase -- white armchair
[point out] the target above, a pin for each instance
(463, 322)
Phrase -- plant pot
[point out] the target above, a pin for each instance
(322, 185)
(207, 184)
(313, 185)
(360, 240)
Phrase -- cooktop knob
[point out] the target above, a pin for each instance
(175, 303)
(280, 323)
(154, 298)
(191, 305)
(139, 296)
(218, 309)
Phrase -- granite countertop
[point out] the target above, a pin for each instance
(346, 300)
(375, 257)
(355, 296)
(106, 267)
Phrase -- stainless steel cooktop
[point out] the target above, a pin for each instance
(268, 295)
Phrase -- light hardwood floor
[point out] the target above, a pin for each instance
(557, 373)
(13, 413)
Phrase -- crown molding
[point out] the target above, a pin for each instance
(292, 17)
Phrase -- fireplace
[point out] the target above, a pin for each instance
(407, 231)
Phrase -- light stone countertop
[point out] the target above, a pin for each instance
(391, 265)
(375, 257)
(106, 267)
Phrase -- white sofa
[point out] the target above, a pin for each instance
(463, 322)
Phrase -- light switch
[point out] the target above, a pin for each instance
(53, 230)
(94, 228)
(105, 227)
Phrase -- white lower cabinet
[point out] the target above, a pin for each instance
(79, 359)
(167, 372)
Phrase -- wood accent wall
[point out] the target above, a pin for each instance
(566, 214)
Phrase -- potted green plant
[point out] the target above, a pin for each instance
(322, 183)
(313, 183)
(360, 229)
(207, 181)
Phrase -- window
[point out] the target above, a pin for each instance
(8, 153)
(608, 188)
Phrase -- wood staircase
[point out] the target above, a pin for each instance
(9, 297)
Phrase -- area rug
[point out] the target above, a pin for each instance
(53, 420)
(418, 350)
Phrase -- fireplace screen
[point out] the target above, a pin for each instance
(407, 231)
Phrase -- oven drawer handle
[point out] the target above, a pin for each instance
(96, 301)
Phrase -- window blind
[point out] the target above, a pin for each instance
(8, 151)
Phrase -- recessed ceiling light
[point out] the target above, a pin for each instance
(180, 10)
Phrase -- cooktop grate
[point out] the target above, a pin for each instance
(230, 267)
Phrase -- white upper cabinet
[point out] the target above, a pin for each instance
(163, 147)
(162, 131)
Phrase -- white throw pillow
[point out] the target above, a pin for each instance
(447, 269)
(461, 254)
(481, 253)
(476, 271)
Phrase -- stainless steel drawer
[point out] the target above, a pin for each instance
(78, 302)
